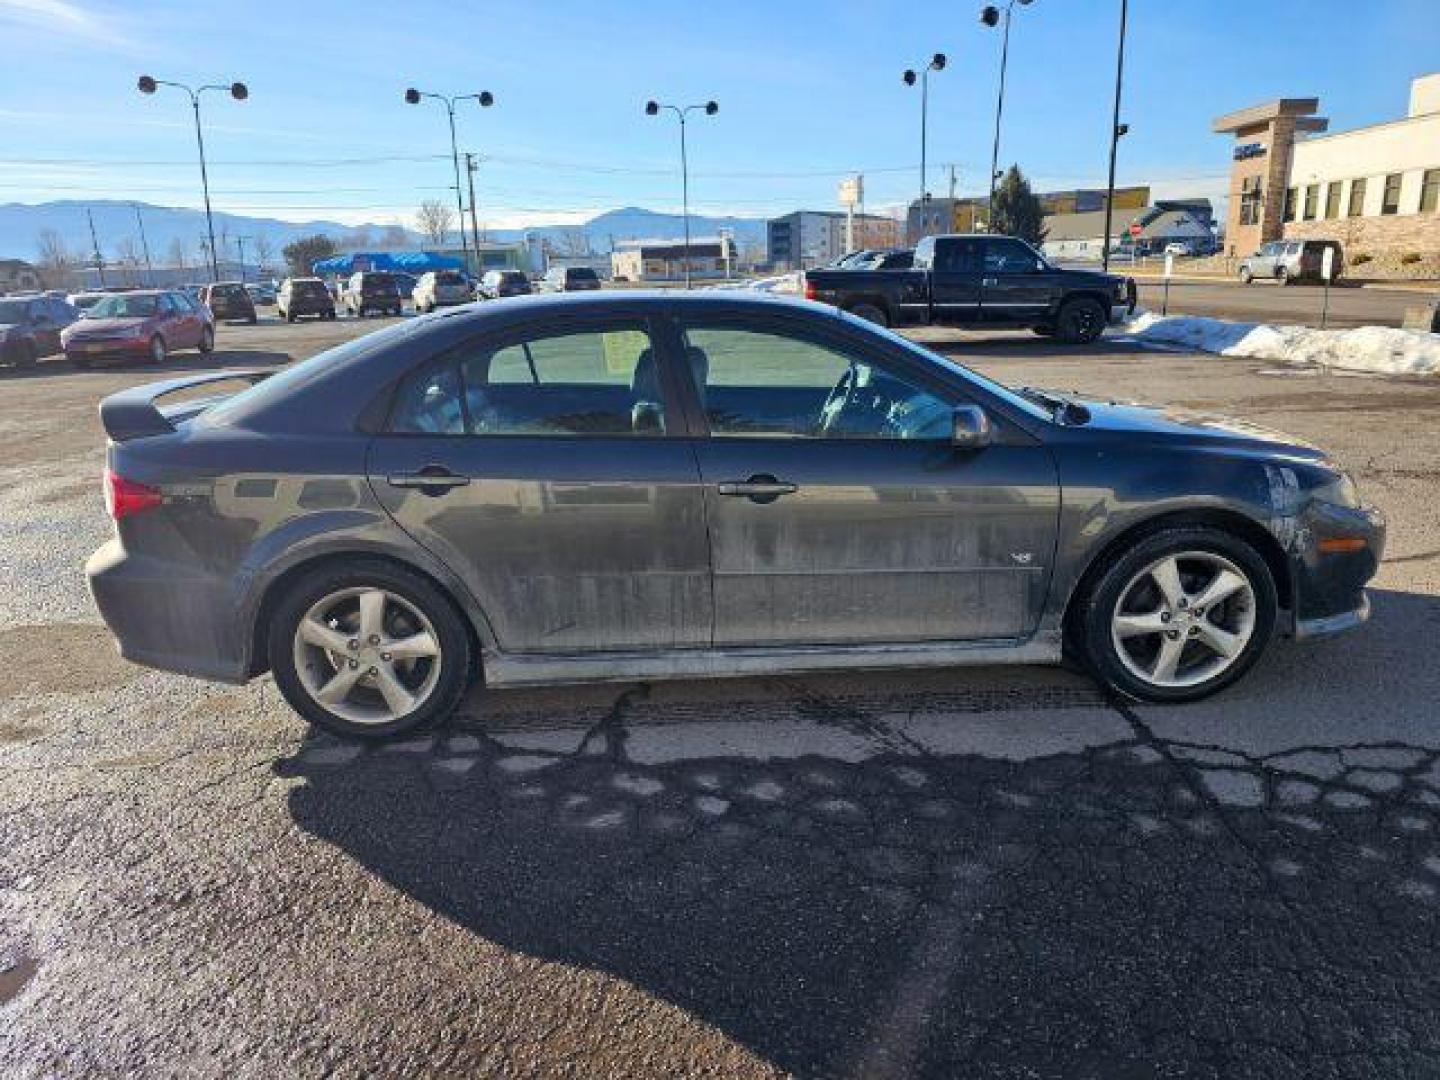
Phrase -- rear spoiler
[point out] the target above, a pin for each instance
(132, 413)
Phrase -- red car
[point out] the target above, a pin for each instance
(139, 325)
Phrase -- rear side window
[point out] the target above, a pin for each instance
(957, 257)
(591, 382)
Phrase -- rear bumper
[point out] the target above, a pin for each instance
(164, 616)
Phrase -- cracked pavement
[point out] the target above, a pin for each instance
(964, 873)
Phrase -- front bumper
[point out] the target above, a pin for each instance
(166, 617)
(1336, 551)
(102, 348)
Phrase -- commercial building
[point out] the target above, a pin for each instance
(1146, 231)
(711, 258)
(969, 215)
(17, 275)
(1375, 189)
(814, 237)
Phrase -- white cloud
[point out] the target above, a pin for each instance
(62, 17)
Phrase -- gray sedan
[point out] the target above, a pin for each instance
(628, 486)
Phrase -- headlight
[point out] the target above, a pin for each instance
(1339, 491)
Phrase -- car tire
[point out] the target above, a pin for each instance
(1111, 622)
(330, 314)
(157, 351)
(80, 363)
(253, 319)
(410, 603)
(1282, 275)
(24, 355)
(1080, 321)
(207, 341)
(1246, 277)
(870, 313)
(289, 318)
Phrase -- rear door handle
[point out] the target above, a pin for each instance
(989, 281)
(432, 480)
(761, 488)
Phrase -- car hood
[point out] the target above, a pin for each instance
(106, 326)
(1173, 422)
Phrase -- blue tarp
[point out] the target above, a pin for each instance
(411, 262)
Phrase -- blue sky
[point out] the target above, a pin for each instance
(808, 91)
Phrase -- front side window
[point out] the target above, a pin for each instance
(1390, 202)
(756, 383)
(1008, 257)
(591, 382)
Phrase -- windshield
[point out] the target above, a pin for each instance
(1010, 397)
(125, 307)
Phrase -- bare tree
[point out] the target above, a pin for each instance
(57, 264)
(434, 220)
(394, 238)
(128, 259)
(175, 254)
(572, 242)
(357, 239)
(264, 253)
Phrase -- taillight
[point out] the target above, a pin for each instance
(809, 289)
(125, 497)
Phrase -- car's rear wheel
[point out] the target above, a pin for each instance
(870, 313)
(1282, 275)
(207, 341)
(1246, 276)
(1080, 321)
(369, 650)
(1181, 614)
(157, 350)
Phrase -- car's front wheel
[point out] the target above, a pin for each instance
(1246, 276)
(1080, 322)
(1283, 275)
(1181, 614)
(369, 650)
(157, 350)
(870, 313)
(207, 341)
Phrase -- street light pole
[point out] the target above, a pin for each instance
(990, 15)
(486, 99)
(937, 63)
(652, 108)
(236, 90)
(1117, 129)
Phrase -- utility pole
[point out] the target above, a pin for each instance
(95, 243)
(240, 243)
(144, 245)
(953, 181)
(1117, 129)
(470, 167)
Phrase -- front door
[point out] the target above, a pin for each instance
(544, 469)
(838, 510)
(1016, 285)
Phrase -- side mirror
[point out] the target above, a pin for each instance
(970, 428)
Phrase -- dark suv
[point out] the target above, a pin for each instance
(30, 327)
(570, 279)
(304, 296)
(372, 290)
(229, 300)
(498, 283)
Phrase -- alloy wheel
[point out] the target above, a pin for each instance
(1184, 620)
(367, 655)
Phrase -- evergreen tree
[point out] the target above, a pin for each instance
(1017, 211)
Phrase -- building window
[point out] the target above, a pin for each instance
(1250, 193)
(1332, 199)
(1430, 190)
(1292, 196)
(1390, 202)
(1357, 197)
(1312, 203)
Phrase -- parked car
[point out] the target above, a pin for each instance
(570, 279)
(498, 283)
(146, 324)
(1178, 247)
(82, 301)
(30, 327)
(441, 288)
(304, 296)
(229, 300)
(979, 281)
(1290, 260)
(730, 463)
(262, 295)
(404, 284)
(372, 290)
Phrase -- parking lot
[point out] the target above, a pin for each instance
(987, 872)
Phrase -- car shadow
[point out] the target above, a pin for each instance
(1141, 905)
(175, 364)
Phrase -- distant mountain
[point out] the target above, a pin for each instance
(115, 225)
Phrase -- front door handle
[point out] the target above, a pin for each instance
(760, 488)
(989, 281)
(432, 480)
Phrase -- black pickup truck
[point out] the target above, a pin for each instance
(980, 281)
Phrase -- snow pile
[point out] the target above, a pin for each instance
(1377, 349)
(785, 283)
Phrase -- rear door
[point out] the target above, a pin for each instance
(840, 513)
(955, 280)
(549, 470)
(1017, 285)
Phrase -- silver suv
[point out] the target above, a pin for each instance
(1289, 260)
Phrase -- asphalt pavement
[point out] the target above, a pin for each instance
(988, 872)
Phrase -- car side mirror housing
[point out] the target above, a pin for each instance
(970, 428)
